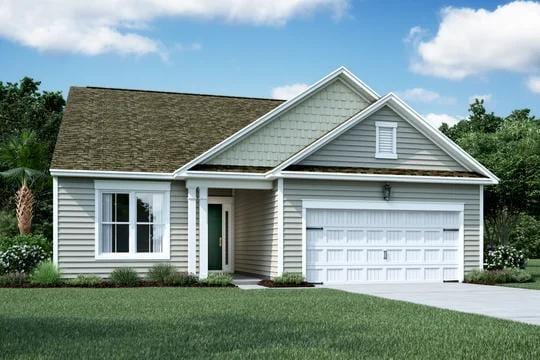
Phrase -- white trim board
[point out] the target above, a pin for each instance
(411, 117)
(55, 220)
(342, 72)
(112, 174)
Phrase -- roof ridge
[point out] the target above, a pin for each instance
(181, 93)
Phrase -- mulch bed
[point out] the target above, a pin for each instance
(270, 283)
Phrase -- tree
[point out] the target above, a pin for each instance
(26, 159)
(23, 107)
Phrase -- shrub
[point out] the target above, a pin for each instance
(504, 256)
(218, 279)
(21, 258)
(289, 279)
(490, 277)
(29, 239)
(12, 279)
(180, 279)
(526, 235)
(160, 272)
(8, 224)
(85, 280)
(124, 277)
(46, 274)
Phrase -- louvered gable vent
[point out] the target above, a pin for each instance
(386, 140)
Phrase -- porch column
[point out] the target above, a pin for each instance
(192, 230)
(203, 232)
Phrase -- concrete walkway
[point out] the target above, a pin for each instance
(521, 305)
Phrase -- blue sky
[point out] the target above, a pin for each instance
(397, 46)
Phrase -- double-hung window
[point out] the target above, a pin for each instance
(385, 140)
(132, 220)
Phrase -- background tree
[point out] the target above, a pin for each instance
(26, 159)
(510, 147)
(24, 107)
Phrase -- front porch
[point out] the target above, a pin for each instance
(233, 228)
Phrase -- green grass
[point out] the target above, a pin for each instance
(161, 323)
(533, 267)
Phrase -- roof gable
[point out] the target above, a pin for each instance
(356, 148)
(407, 113)
(146, 131)
(294, 129)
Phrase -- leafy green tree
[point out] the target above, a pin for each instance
(23, 107)
(26, 159)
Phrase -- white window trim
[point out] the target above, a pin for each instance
(132, 187)
(387, 124)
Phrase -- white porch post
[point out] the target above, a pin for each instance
(203, 232)
(192, 230)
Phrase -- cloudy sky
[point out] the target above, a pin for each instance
(437, 55)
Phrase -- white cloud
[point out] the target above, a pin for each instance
(287, 92)
(533, 83)
(100, 26)
(436, 120)
(425, 96)
(474, 41)
(415, 35)
(485, 97)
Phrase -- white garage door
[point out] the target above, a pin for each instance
(382, 245)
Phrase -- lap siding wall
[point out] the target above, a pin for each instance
(295, 190)
(76, 231)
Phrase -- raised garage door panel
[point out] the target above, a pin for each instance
(382, 245)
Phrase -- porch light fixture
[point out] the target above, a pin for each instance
(387, 191)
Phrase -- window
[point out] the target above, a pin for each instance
(132, 220)
(385, 144)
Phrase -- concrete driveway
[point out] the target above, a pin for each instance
(521, 305)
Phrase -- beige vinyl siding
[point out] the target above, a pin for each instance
(76, 231)
(296, 190)
(255, 240)
(356, 148)
(296, 128)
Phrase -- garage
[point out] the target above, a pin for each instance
(348, 242)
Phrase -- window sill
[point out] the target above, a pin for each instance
(136, 257)
(385, 156)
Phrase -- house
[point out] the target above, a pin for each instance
(338, 183)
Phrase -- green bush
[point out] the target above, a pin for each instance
(21, 258)
(505, 256)
(491, 277)
(526, 235)
(8, 224)
(124, 277)
(45, 274)
(288, 278)
(218, 279)
(160, 272)
(85, 280)
(29, 239)
(180, 279)
(13, 279)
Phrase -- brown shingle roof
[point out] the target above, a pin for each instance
(148, 131)
(381, 171)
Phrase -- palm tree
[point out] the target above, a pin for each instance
(25, 157)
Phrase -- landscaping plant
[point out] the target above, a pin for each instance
(124, 277)
(180, 279)
(159, 272)
(218, 279)
(28, 239)
(289, 278)
(505, 256)
(13, 279)
(491, 277)
(45, 274)
(21, 258)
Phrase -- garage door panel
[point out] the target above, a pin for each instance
(374, 245)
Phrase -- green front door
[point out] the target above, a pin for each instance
(215, 240)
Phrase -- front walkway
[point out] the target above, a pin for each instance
(515, 304)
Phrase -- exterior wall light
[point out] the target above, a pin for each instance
(387, 191)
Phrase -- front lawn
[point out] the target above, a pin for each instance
(231, 323)
(533, 267)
